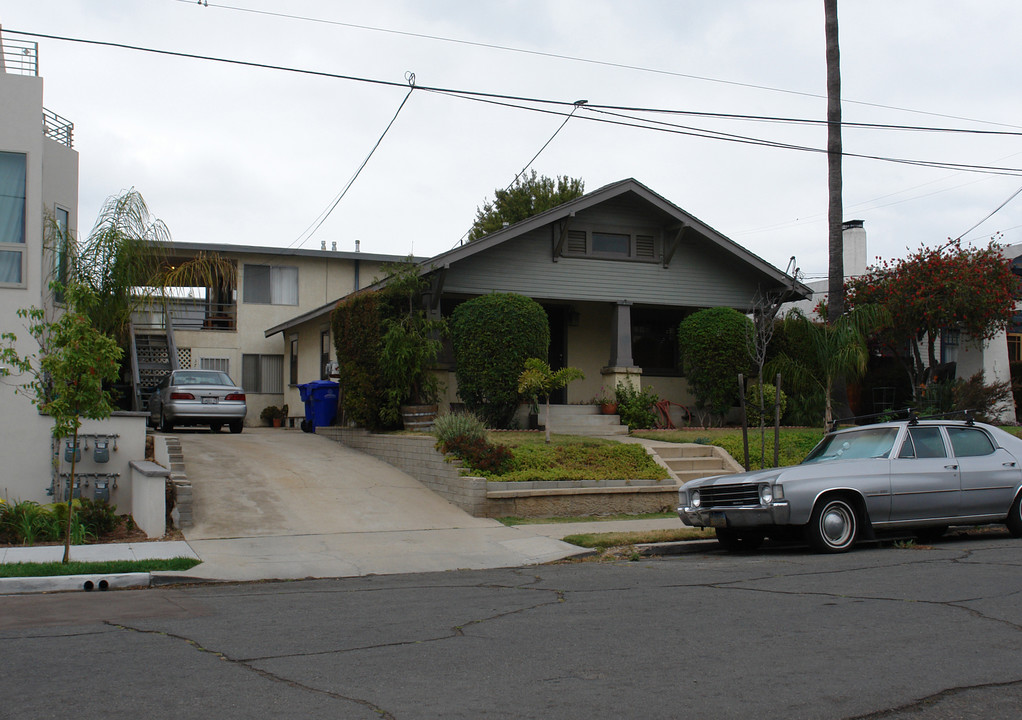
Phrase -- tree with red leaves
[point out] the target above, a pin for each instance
(947, 288)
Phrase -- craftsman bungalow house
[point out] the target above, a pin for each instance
(616, 270)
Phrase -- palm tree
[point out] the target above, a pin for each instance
(830, 351)
(836, 290)
(125, 264)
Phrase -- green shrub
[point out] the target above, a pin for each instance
(493, 335)
(97, 517)
(357, 324)
(769, 398)
(27, 522)
(636, 406)
(715, 347)
(458, 424)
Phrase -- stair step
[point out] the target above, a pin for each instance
(680, 464)
(679, 450)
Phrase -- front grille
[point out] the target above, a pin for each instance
(729, 495)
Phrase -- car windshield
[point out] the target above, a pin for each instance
(202, 377)
(855, 444)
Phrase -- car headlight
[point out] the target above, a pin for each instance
(766, 494)
(694, 498)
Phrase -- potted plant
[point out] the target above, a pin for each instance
(607, 402)
(272, 415)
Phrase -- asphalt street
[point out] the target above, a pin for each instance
(882, 632)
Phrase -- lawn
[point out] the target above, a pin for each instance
(112, 567)
(795, 443)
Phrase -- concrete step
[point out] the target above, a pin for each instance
(685, 475)
(589, 430)
(683, 464)
(680, 450)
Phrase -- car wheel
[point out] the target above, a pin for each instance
(929, 535)
(1014, 521)
(165, 424)
(832, 526)
(215, 427)
(236, 426)
(739, 541)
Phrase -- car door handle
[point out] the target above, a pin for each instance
(1008, 464)
(951, 467)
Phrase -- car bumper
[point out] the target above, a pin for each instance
(757, 516)
(199, 413)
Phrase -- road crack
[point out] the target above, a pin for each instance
(266, 674)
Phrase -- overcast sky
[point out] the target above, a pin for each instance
(228, 153)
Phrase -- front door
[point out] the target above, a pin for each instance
(557, 317)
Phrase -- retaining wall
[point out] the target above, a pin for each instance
(417, 456)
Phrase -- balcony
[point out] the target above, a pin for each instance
(190, 314)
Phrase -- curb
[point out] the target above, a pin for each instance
(67, 583)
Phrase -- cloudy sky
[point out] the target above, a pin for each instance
(238, 154)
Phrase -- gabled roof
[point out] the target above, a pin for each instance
(566, 210)
(603, 194)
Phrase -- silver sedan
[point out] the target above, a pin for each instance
(920, 476)
(198, 397)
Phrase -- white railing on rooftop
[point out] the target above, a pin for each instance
(57, 128)
(19, 57)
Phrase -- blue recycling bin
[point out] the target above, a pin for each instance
(320, 398)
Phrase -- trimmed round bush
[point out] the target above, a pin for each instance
(493, 335)
(716, 345)
(769, 396)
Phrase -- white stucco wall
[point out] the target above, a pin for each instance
(24, 434)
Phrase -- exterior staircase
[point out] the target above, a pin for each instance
(152, 359)
(690, 461)
(581, 420)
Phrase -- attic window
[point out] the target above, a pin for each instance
(613, 244)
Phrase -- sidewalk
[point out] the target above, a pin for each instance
(345, 554)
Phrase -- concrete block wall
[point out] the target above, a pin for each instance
(416, 456)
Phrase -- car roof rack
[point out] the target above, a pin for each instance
(910, 414)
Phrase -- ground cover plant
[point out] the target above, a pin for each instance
(795, 443)
(568, 457)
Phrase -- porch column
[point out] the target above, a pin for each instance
(622, 367)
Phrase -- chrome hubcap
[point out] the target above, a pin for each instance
(836, 525)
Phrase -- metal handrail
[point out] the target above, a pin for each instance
(136, 401)
(58, 128)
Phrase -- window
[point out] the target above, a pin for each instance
(969, 442)
(60, 245)
(270, 285)
(949, 341)
(612, 244)
(213, 363)
(294, 361)
(655, 340)
(262, 374)
(923, 442)
(1014, 348)
(13, 168)
(324, 354)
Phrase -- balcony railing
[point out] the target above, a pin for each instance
(57, 128)
(191, 314)
(19, 57)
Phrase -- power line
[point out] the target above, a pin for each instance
(510, 100)
(590, 61)
(410, 77)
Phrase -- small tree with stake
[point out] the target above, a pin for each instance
(538, 379)
(65, 380)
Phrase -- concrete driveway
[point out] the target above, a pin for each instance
(273, 503)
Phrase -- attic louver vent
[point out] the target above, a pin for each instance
(645, 247)
(577, 241)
